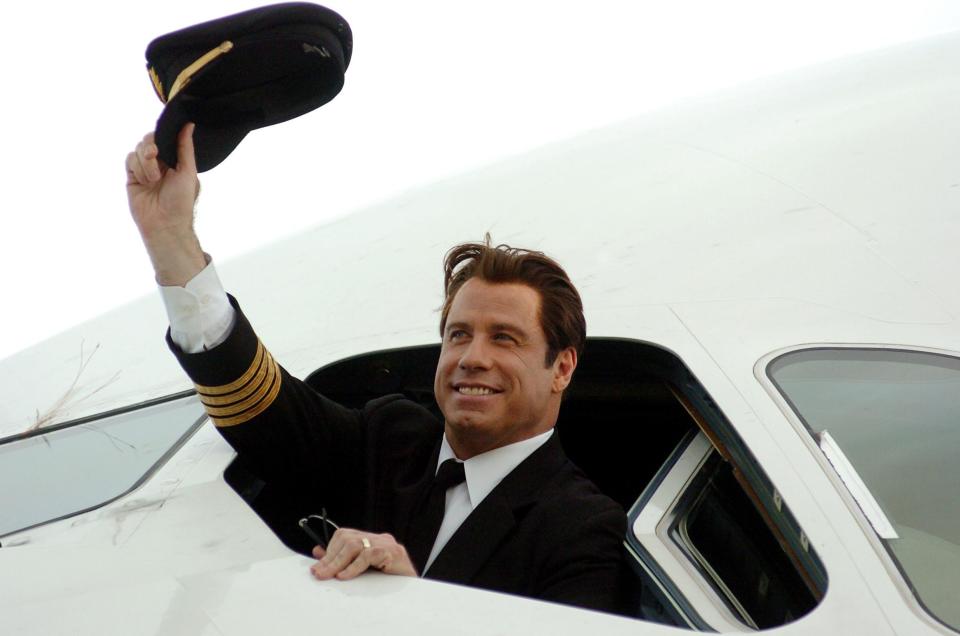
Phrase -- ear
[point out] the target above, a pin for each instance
(563, 368)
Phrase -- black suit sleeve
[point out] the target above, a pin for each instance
(588, 567)
(285, 430)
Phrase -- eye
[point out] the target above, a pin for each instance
(456, 334)
(504, 337)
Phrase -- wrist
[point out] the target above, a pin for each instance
(176, 257)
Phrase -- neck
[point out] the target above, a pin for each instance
(466, 445)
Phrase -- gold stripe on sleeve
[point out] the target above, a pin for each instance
(256, 410)
(252, 386)
(223, 389)
(248, 398)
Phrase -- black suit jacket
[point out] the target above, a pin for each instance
(545, 531)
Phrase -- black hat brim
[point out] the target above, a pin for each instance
(285, 60)
(212, 141)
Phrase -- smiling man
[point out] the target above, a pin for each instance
(499, 380)
(486, 497)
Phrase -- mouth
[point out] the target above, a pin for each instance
(474, 389)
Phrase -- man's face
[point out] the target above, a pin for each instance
(492, 383)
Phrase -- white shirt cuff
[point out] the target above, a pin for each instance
(200, 314)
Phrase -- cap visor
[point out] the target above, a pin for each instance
(212, 144)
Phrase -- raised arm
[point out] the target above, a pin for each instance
(161, 201)
(290, 435)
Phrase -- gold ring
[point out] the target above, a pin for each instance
(366, 543)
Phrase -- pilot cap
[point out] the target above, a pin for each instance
(245, 71)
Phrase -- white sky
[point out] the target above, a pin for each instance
(434, 89)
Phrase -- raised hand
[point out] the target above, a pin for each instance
(161, 202)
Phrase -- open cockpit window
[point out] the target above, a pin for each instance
(628, 419)
(56, 472)
(705, 539)
(724, 534)
(888, 421)
(716, 546)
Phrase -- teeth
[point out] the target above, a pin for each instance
(474, 390)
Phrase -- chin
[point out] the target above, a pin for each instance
(467, 421)
(468, 425)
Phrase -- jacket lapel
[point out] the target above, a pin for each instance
(410, 493)
(482, 532)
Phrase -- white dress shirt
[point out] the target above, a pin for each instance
(201, 317)
(200, 314)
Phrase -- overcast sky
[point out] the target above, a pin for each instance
(434, 89)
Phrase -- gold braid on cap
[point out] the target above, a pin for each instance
(184, 77)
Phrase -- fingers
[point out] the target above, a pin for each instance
(143, 167)
(186, 159)
(360, 564)
(344, 546)
(351, 552)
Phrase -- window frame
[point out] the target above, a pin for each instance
(680, 608)
(723, 439)
(890, 563)
(691, 398)
(653, 531)
(144, 477)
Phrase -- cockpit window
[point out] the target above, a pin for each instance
(631, 412)
(74, 467)
(727, 538)
(889, 422)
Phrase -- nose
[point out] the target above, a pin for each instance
(476, 355)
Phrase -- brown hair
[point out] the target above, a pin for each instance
(561, 311)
